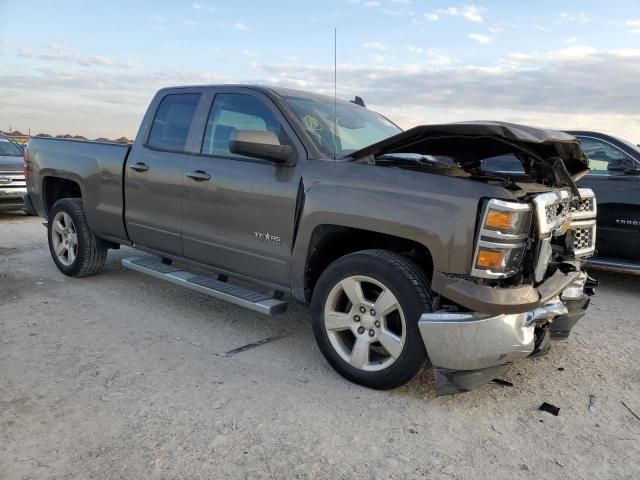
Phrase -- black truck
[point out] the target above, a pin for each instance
(614, 176)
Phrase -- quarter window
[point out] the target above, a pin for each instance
(172, 122)
(233, 112)
(603, 157)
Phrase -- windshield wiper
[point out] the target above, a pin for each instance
(415, 159)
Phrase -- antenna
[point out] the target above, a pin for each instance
(335, 92)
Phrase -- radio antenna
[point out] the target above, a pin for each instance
(335, 92)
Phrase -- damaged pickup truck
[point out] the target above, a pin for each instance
(406, 250)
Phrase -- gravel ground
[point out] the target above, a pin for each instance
(119, 376)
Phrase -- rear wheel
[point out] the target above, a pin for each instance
(75, 249)
(365, 310)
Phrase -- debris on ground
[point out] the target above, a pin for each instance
(109, 381)
(504, 383)
(592, 403)
(547, 407)
(629, 408)
(249, 346)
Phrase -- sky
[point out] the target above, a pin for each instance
(90, 68)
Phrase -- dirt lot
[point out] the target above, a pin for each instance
(118, 376)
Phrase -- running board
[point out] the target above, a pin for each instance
(256, 301)
(613, 264)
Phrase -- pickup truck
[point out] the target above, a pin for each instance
(406, 251)
(12, 183)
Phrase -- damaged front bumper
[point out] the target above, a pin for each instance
(469, 349)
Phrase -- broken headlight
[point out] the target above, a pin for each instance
(501, 238)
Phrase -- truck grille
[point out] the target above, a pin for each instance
(553, 211)
(582, 238)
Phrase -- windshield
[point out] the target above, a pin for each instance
(629, 144)
(357, 126)
(7, 147)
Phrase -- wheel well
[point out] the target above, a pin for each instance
(56, 188)
(330, 242)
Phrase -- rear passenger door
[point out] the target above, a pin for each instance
(155, 170)
(238, 211)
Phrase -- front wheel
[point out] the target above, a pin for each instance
(75, 249)
(365, 310)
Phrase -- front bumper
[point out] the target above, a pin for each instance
(12, 199)
(468, 349)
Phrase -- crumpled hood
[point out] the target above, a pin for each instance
(468, 143)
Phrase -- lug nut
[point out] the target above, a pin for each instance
(361, 330)
(363, 310)
(357, 318)
(372, 312)
(377, 324)
(371, 333)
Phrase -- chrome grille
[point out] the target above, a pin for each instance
(584, 205)
(581, 238)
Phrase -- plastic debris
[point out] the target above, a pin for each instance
(547, 407)
(504, 383)
(629, 408)
(592, 403)
(249, 346)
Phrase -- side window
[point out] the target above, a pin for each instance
(233, 112)
(603, 157)
(172, 122)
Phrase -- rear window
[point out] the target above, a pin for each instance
(172, 122)
(9, 148)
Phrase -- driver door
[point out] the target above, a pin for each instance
(239, 211)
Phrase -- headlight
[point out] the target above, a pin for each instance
(501, 239)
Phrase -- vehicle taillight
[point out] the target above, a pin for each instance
(25, 157)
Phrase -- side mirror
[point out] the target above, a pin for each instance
(632, 171)
(260, 144)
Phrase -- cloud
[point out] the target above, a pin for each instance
(519, 82)
(62, 53)
(249, 53)
(196, 6)
(480, 38)
(377, 57)
(96, 96)
(188, 23)
(371, 3)
(634, 25)
(241, 26)
(431, 17)
(472, 13)
(580, 17)
(374, 46)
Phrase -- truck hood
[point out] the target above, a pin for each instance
(10, 163)
(548, 156)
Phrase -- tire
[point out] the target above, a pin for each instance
(396, 352)
(82, 254)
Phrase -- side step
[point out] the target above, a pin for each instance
(256, 301)
(613, 264)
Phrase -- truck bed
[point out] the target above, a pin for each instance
(96, 166)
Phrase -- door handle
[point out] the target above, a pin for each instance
(199, 176)
(139, 167)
